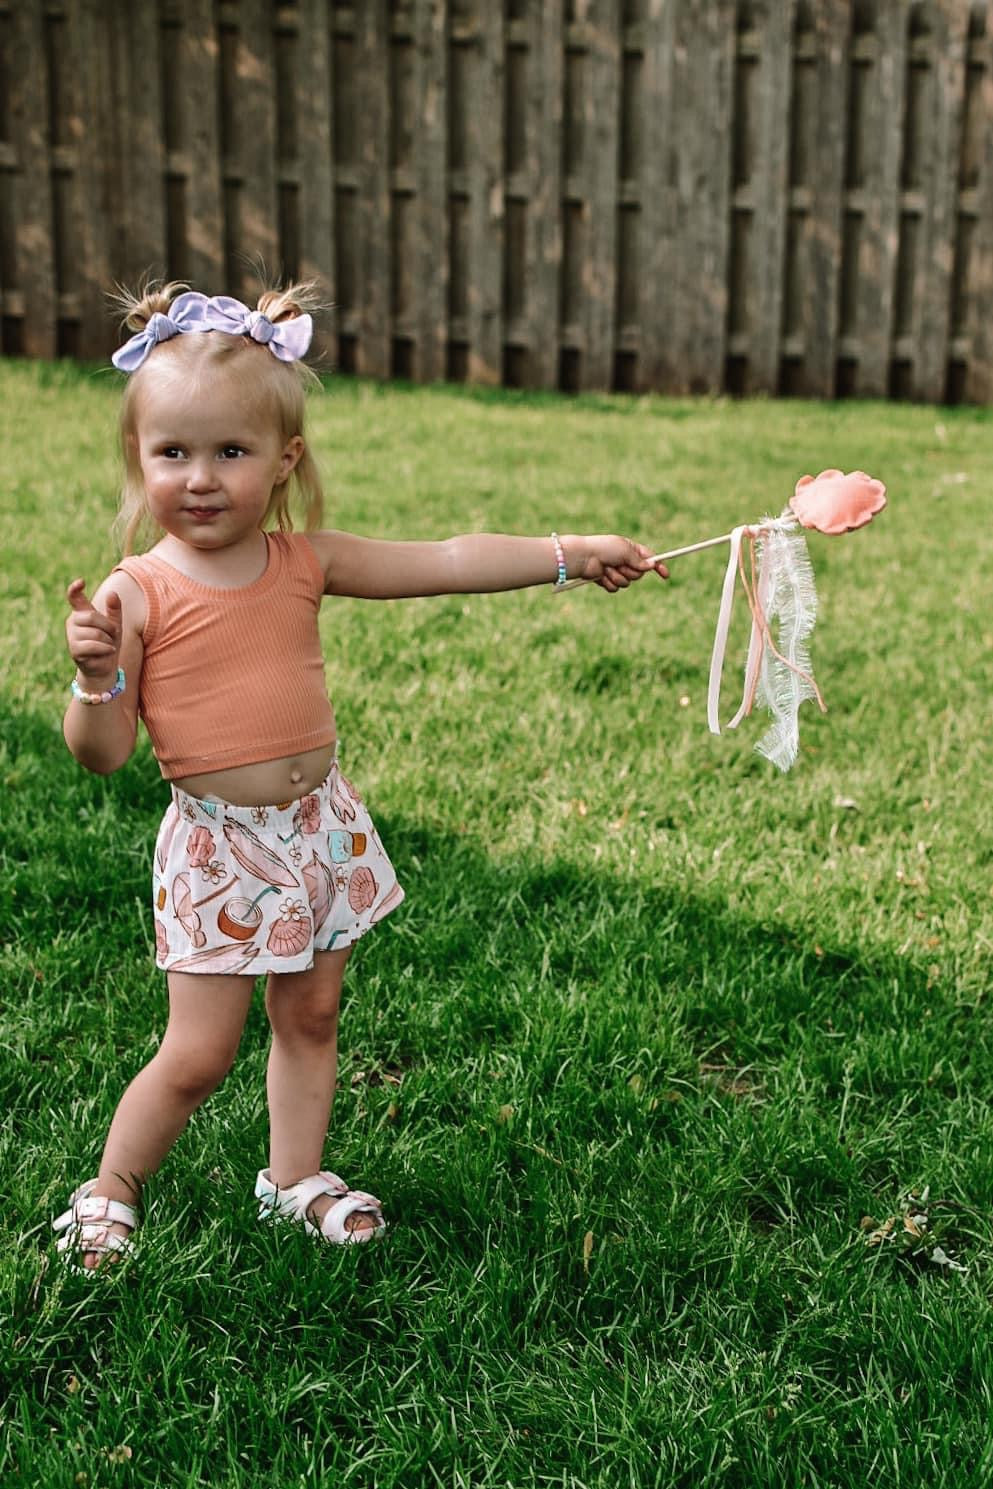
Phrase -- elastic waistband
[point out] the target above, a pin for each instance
(283, 814)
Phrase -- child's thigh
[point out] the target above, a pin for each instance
(207, 1012)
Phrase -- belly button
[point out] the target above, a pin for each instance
(296, 776)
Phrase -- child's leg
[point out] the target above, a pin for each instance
(206, 1018)
(303, 1070)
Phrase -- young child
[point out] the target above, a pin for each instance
(266, 861)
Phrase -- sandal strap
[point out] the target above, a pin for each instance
(333, 1226)
(94, 1238)
(87, 1208)
(295, 1200)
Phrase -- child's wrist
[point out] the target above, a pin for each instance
(576, 554)
(96, 682)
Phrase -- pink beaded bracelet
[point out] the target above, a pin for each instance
(95, 698)
(563, 573)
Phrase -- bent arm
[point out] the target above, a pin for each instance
(475, 563)
(102, 736)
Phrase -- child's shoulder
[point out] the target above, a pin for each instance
(302, 551)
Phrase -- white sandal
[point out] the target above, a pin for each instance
(293, 1203)
(85, 1226)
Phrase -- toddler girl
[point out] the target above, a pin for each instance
(266, 861)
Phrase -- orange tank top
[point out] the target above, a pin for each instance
(233, 676)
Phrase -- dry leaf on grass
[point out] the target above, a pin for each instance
(377, 1075)
(910, 1231)
(587, 1251)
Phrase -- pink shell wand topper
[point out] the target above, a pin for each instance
(779, 583)
(834, 503)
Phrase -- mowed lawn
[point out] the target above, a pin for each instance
(674, 1072)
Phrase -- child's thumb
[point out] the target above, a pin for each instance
(113, 604)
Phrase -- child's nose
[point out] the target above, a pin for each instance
(201, 477)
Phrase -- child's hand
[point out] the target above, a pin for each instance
(93, 636)
(614, 562)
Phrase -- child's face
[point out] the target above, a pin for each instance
(210, 459)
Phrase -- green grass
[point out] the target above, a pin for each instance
(666, 1024)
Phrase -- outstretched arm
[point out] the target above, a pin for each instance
(476, 563)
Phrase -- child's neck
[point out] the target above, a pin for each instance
(231, 567)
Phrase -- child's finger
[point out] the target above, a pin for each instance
(76, 595)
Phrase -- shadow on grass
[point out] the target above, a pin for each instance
(75, 852)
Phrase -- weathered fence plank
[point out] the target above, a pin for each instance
(656, 167)
(543, 254)
(249, 135)
(753, 195)
(478, 34)
(930, 188)
(311, 163)
(371, 33)
(430, 233)
(83, 172)
(144, 52)
(703, 68)
(198, 65)
(29, 298)
(973, 314)
(817, 169)
(873, 200)
(591, 186)
(760, 182)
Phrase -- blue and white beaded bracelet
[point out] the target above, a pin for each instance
(95, 698)
(562, 574)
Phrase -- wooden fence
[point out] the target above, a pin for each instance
(790, 196)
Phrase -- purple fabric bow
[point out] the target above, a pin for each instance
(186, 313)
(287, 340)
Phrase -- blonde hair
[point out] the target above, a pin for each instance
(281, 387)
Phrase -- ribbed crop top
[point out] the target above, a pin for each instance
(233, 676)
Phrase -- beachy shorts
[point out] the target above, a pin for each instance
(252, 890)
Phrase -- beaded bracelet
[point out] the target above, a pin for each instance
(94, 698)
(562, 574)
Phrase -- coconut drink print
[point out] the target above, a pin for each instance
(256, 889)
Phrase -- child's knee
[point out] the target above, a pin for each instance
(192, 1074)
(310, 1018)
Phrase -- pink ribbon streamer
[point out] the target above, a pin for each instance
(756, 590)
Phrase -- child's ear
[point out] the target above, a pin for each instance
(291, 456)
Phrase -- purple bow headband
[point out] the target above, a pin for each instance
(287, 340)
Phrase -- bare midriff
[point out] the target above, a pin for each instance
(269, 783)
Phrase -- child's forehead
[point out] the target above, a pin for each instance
(169, 395)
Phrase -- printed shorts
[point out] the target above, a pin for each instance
(252, 890)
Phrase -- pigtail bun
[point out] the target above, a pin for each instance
(151, 297)
(293, 300)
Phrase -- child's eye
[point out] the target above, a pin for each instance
(231, 452)
(172, 452)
